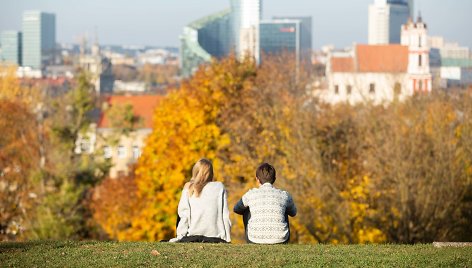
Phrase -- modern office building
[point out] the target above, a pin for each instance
(305, 34)
(10, 41)
(284, 36)
(39, 39)
(205, 38)
(246, 16)
(386, 18)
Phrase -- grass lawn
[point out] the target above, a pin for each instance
(114, 254)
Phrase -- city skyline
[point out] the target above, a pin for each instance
(159, 23)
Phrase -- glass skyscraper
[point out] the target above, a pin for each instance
(246, 16)
(39, 39)
(205, 38)
(286, 35)
(386, 18)
(10, 41)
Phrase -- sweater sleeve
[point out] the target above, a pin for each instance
(226, 219)
(291, 208)
(184, 214)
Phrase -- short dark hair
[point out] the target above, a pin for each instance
(266, 173)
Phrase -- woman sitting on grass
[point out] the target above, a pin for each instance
(203, 208)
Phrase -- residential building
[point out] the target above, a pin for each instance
(246, 16)
(385, 20)
(380, 74)
(203, 39)
(122, 149)
(39, 39)
(10, 41)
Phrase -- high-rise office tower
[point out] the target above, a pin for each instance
(386, 18)
(39, 39)
(286, 35)
(11, 47)
(246, 16)
(205, 38)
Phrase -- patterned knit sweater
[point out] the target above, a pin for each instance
(268, 207)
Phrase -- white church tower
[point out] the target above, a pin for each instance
(415, 36)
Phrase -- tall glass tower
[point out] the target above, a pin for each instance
(11, 47)
(39, 39)
(386, 18)
(203, 39)
(246, 16)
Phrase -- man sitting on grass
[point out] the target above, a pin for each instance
(266, 209)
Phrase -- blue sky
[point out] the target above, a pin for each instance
(159, 22)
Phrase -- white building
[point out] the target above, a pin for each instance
(99, 67)
(385, 20)
(246, 16)
(381, 73)
(122, 150)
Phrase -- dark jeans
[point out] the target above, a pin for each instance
(197, 238)
(247, 217)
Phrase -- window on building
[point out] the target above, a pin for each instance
(419, 41)
(136, 152)
(107, 153)
(372, 88)
(397, 89)
(420, 61)
(420, 85)
(336, 89)
(121, 151)
(348, 89)
(85, 146)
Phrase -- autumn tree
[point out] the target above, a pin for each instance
(419, 155)
(114, 203)
(19, 161)
(61, 211)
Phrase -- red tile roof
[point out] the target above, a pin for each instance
(382, 58)
(374, 59)
(342, 65)
(143, 107)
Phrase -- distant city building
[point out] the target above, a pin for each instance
(203, 39)
(385, 20)
(451, 63)
(289, 35)
(246, 16)
(130, 87)
(99, 67)
(39, 39)
(306, 38)
(126, 151)
(10, 41)
(381, 73)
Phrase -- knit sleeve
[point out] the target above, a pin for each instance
(184, 214)
(226, 219)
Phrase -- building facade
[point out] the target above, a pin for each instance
(99, 68)
(39, 39)
(246, 16)
(203, 39)
(385, 20)
(380, 74)
(10, 41)
(286, 35)
(107, 142)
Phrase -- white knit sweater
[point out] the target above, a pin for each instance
(206, 215)
(269, 207)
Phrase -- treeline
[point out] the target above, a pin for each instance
(399, 173)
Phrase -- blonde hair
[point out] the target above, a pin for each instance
(202, 173)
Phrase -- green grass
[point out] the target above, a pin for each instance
(114, 254)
